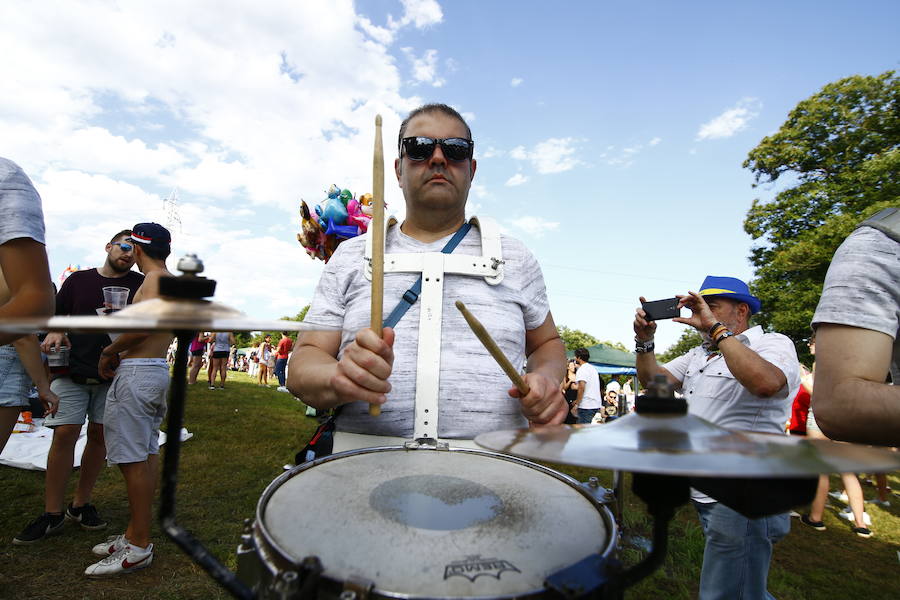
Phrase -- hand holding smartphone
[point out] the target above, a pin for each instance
(661, 309)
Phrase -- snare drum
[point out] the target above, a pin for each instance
(400, 523)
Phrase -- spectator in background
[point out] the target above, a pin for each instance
(82, 394)
(220, 343)
(285, 345)
(197, 348)
(589, 398)
(264, 352)
(569, 389)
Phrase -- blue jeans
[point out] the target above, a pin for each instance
(280, 364)
(738, 551)
(585, 415)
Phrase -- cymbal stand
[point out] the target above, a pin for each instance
(187, 286)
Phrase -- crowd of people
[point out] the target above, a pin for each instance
(741, 377)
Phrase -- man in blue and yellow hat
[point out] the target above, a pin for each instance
(741, 378)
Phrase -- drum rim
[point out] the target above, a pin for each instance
(273, 548)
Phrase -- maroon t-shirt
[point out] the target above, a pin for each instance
(82, 294)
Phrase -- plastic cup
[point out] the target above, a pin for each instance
(115, 298)
(58, 359)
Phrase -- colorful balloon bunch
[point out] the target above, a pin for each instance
(339, 217)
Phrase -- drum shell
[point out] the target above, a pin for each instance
(263, 562)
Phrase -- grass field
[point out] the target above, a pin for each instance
(245, 434)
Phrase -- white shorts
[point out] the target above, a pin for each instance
(135, 408)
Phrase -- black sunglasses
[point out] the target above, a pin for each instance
(125, 247)
(421, 147)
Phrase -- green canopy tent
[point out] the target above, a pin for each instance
(609, 361)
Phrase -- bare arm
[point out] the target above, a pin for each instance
(323, 382)
(850, 399)
(645, 362)
(30, 354)
(546, 367)
(23, 263)
(759, 376)
(109, 358)
(754, 372)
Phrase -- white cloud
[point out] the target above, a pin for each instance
(731, 121)
(534, 226)
(109, 108)
(420, 13)
(424, 68)
(553, 155)
(517, 179)
(654, 141)
(516, 81)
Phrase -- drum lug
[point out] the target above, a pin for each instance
(426, 444)
(599, 493)
(356, 588)
(286, 585)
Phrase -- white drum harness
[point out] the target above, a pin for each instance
(433, 266)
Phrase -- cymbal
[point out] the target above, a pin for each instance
(160, 314)
(687, 445)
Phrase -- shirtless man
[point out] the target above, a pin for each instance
(137, 360)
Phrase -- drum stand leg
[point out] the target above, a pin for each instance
(187, 542)
(663, 495)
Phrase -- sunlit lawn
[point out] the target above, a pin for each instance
(244, 435)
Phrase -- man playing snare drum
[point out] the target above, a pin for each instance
(430, 362)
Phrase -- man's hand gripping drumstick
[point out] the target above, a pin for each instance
(542, 401)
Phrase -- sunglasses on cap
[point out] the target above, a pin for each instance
(124, 246)
(421, 148)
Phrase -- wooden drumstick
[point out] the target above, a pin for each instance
(376, 227)
(492, 347)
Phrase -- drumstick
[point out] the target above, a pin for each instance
(492, 347)
(376, 226)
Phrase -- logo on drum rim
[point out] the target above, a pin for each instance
(473, 566)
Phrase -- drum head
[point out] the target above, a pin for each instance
(463, 523)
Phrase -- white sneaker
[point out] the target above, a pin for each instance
(113, 544)
(125, 560)
(842, 496)
(877, 502)
(848, 514)
(281, 388)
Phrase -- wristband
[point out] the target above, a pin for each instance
(642, 347)
(716, 329)
(725, 334)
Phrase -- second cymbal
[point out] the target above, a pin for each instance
(687, 445)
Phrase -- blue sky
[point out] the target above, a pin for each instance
(610, 135)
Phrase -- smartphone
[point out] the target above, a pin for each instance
(661, 309)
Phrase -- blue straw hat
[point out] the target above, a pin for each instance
(732, 288)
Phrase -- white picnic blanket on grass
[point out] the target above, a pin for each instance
(29, 450)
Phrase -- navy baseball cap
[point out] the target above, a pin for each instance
(151, 234)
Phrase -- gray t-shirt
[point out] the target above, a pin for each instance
(20, 205)
(473, 388)
(862, 287)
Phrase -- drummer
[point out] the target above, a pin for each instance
(741, 378)
(437, 364)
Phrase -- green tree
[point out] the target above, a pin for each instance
(616, 345)
(276, 335)
(574, 338)
(840, 152)
(690, 338)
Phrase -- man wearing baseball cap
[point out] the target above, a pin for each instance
(741, 378)
(135, 408)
